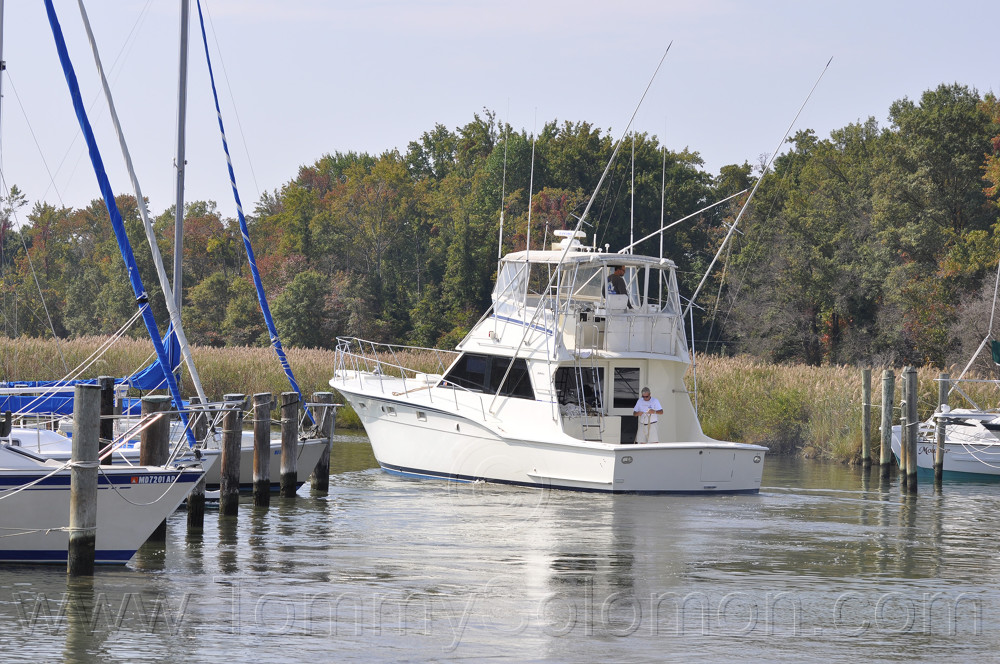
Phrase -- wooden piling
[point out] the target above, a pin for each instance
(262, 449)
(154, 444)
(83, 481)
(885, 454)
(904, 431)
(107, 428)
(866, 418)
(914, 426)
(289, 443)
(944, 386)
(232, 435)
(196, 499)
(321, 473)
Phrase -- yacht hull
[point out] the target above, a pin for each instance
(416, 440)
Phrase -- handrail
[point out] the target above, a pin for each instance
(364, 355)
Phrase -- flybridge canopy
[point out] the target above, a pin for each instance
(585, 255)
(558, 280)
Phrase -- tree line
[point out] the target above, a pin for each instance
(877, 244)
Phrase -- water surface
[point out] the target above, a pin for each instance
(825, 563)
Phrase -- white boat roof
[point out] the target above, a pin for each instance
(585, 255)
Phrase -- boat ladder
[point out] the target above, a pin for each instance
(593, 415)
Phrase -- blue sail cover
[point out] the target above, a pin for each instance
(117, 224)
(55, 404)
(152, 378)
(251, 259)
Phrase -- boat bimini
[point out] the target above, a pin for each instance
(542, 390)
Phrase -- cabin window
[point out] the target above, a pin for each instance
(469, 372)
(626, 387)
(422, 416)
(484, 373)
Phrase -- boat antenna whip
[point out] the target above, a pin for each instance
(245, 232)
(503, 186)
(732, 229)
(117, 224)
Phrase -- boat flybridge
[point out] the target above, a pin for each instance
(542, 390)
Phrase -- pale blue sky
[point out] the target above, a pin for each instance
(308, 77)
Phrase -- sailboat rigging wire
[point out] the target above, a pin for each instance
(982, 344)
(173, 306)
(232, 97)
(117, 223)
(251, 258)
(31, 130)
(83, 366)
(126, 45)
(753, 191)
(34, 276)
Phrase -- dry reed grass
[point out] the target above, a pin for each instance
(793, 409)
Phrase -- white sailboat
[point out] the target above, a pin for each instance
(35, 506)
(972, 434)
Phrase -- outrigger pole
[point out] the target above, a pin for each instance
(671, 225)
(753, 191)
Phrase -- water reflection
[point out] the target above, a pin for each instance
(382, 566)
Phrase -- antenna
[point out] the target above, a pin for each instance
(503, 187)
(631, 216)
(531, 183)
(663, 203)
(753, 191)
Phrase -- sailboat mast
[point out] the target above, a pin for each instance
(180, 162)
(3, 68)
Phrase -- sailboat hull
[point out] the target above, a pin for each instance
(131, 503)
(966, 452)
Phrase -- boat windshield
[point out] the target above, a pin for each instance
(652, 288)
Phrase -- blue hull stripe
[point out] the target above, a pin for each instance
(63, 480)
(58, 556)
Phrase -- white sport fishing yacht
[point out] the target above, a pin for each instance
(542, 390)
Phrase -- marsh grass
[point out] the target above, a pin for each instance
(792, 409)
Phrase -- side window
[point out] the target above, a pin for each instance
(483, 373)
(518, 383)
(469, 372)
(626, 387)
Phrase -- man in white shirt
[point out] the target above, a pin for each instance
(647, 408)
